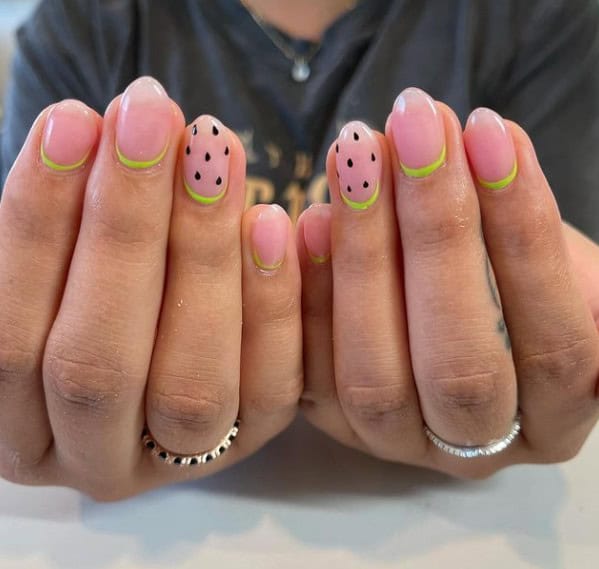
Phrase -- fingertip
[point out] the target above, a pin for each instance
(316, 234)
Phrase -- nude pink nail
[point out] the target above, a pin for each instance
(206, 160)
(359, 165)
(269, 237)
(144, 124)
(69, 135)
(317, 232)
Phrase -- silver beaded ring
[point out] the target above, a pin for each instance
(177, 459)
(492, 448)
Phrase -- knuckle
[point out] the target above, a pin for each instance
(198, 412)
(15, 364)
(280, 310)
(470, 392)
(376, 404)
(282, 397)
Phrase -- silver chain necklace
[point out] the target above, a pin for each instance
(300, 63)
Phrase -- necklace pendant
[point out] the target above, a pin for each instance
(300, 72)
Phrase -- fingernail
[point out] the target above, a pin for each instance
(317, 233)
(69, 135)
(143, 125)
(359, 165)
(418, 133)
(269, 237)
(490, 148)
(206, 161)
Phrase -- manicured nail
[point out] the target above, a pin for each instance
(359, 165)
(206, 161)
(144, 124)
(317, 233)
(490, 149)
(69, 136)
(418, 133)
(269, 237)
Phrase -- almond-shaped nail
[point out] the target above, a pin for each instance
(418, 133)
(491, 150)
(269, 237)
(359, 165)
(206, 160)
(69, 135)
(317, 233)
(143, 124)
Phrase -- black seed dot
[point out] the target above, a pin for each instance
(227, 151)
(194, 130)
(197, 176)
(356, 137)
(337, 148)
(349, 189)
(337, 173)
(214, 130)
(219, 181)
(350, 163)
(188, 150)
(207, 156)
(365, 184)
(150, 444)
(372, 157)
(193, 461)
(209, 458)
(177, 460)
(163, 455)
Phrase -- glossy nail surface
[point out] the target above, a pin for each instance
(418, 133)
(206, 160)
(317, 233)
(143, 124)
(69, 135)
(269, 237)
(490, 149)
(359, 165)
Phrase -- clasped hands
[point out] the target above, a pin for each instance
(438, 287)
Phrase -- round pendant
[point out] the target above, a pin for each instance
(300, 70)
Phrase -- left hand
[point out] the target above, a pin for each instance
(447, 300)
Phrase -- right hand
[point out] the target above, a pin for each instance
(121, 300)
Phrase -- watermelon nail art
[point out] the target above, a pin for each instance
(206, 160)
(359, 165)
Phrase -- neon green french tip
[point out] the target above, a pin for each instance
(425, 170)
(203, 199)
(61, 167)
(362, 205)
(140, 165)
(499, 185)
(320, 259)
(264, 266)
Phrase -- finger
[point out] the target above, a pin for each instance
(460, 355)
(39, 221)
(98, 352)
(372, 361)
(193, 391)
(553, 334)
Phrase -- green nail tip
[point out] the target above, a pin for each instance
(263, 266)
(362, 205)
(426, 170)
(140, 165)
(61, 167)
(499, 185)
(203, 199)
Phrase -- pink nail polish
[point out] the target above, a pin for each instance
(69, 135)
(359, 165)
(418, 133)
(143, 124)
(490, 148)
(317, 232)
(206, 160)
(269, 237)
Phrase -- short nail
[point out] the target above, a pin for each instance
(317, 233)
(490, 149)
(269, 237)
(359, 165)
(69, 135)
(206, 160)
(418, 133)
(143, 124)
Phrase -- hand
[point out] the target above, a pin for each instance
(451, 299)
(102, 331)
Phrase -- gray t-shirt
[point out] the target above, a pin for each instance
(534, 61)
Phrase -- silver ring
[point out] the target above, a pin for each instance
(177, 459)
(475, 451)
